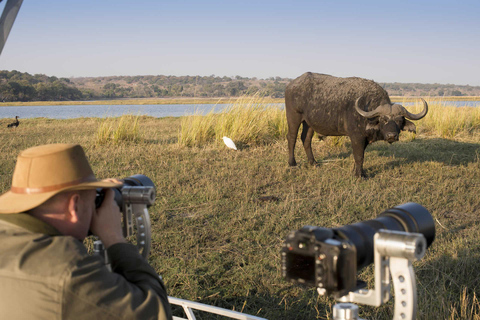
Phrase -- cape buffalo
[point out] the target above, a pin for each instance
(354, 107)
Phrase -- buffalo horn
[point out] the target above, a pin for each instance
(366, 114)
(417, 116)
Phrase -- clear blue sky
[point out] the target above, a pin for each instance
(387, 41)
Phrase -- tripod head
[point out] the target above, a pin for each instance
(394, 253)
(134, 198)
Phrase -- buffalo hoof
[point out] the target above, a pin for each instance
(292, 163)
(360, 174)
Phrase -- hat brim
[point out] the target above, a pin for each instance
(11, 202)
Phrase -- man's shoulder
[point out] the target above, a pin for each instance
(37, 255)
(27, 222)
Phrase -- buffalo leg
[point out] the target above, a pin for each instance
(293, 125)
(307, 135)
(358, 146)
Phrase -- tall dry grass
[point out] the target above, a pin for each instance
(255, 120)
(446, 120)
(116, 130)
(248, 120)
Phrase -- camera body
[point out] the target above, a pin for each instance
(316, 257)
(330, 259)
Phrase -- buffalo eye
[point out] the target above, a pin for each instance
(400, 122)
(384, 119)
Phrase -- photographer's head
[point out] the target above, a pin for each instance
(56, 184)
(70, 212)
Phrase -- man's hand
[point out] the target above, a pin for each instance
(106, 221)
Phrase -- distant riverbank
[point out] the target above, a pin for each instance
(224, 100)
(153, 101)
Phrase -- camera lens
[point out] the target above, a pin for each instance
(137, 180)
(408, 217)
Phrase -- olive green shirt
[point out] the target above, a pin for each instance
(46, 275)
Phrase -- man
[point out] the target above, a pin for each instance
(45, 271)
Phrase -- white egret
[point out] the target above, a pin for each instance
(229, 143)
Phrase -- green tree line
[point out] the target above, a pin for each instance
(178, 86)
(18, 86)
(22, 86)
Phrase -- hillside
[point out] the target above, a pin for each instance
(22, 86)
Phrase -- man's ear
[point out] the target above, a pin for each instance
(73, 207)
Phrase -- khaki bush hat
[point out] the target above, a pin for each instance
(44, 171)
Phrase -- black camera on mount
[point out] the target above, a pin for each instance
(330, 258)
(133, 198)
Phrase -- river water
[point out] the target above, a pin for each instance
(101, 111)
(159, 111)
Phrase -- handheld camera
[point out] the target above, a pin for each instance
(133, 198)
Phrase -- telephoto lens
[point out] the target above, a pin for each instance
(408, 217)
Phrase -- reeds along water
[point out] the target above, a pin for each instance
(255, 120)
(446, 120)
(249, 120)
(116, 130)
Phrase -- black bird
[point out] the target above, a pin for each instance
(14, 124)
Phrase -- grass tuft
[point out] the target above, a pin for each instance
(447, 120)
(116, 130)
(250, 120)
(254, 120)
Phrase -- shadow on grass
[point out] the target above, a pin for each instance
(448, 152)
(165, 141)
(451, 283)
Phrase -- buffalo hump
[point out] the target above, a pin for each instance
(325, 88)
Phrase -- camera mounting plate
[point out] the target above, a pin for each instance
(394, 252)
(135, 202)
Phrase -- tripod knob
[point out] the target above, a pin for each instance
(345, 311)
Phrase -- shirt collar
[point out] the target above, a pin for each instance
(30, 223)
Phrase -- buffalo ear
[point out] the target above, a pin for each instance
(409, 126)
(372, 124)
(372, 127)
